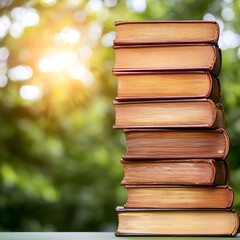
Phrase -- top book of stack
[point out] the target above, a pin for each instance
(156, 32)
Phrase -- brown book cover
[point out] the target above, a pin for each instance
(176, 144)
(177, 222)
(168, 57)
(165, 196)
(167, 85)
(185, 171)
(201, 113)
(138, 32)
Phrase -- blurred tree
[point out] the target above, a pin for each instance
(60, 159)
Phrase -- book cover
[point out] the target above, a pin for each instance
(201, 113)
(177, 222)
(152, 32)
(165, 196)
(167, 85)
(205, 57)
(176, 143)
(201, 172)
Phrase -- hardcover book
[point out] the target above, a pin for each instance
(168, 57)
(164, 196)
(176, 172)
(176, 144)
(167, 85)
(151, 32)
(202, 113)
(177, 222)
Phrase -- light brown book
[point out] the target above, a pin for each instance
(185, 172)
(133, 32)
(176, 144)
(167, 85)
(168, 57)
(202, 113)
(164, 196)
(175, 222)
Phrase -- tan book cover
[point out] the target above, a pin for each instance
(176, 144)
(177, 222)
(165, 196)
(167, 85)
(202, 113)
(208, 172)
(168, 57)
(138, 32)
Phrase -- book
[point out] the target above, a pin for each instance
(176, 143)
(176, 172)
(168, 57)
(167, 85)
(165, 196)
(130, 32)
(202, 113)
(176, 222)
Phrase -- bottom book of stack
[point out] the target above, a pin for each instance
(177, 222)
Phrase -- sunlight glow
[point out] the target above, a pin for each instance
(68, 35)
(30, 92)
(20, 73)
(77, 72)
(58, 61)
(5, 24)
(81, 73)
(88, 78)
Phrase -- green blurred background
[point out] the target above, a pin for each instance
(60, 159)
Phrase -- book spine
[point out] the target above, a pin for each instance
(236, 225)
(217, 62)
(215, 89)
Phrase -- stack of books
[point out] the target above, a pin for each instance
(175, 169)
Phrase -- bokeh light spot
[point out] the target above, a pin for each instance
(68, 35)
(137, 5)
(4, 53)
(108, 38)
(57, 61)
(30, 92)
(20, 73)
(5, 24)
(94, 5)
(3, 81)
(227, 14)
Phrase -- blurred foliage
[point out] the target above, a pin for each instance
(60, 159)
